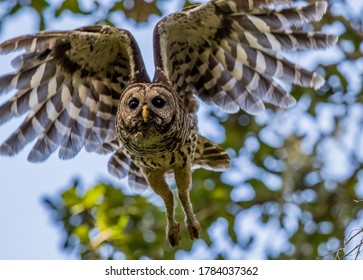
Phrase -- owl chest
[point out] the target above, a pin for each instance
(168, 159)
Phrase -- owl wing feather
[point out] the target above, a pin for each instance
(227, 52)
(210, 156)
(68, 84)
(120, 166)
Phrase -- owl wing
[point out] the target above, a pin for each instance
(228, 52)
(120, 166)
(68, 84)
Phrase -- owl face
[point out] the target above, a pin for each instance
(146, 111)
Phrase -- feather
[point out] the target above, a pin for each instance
(228, 52)
(119, 164)
(210, 156)
(68, 84)
(136, 179)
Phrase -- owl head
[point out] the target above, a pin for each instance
(148, 113)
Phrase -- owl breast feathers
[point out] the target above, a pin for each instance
(89, 88)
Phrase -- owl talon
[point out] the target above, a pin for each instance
(173, 233)
(193, 229)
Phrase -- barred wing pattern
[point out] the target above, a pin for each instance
(227, 52)
(121, 166)
(69, 85)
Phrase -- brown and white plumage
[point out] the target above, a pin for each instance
(70, 89)
(78, 89)
(226, 52)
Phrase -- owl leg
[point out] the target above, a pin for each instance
(183, 178)
(157, 182)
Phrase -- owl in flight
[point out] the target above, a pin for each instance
(88, 88)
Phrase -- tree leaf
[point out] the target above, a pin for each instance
(39, 5)
(70, 5)
(142, 10)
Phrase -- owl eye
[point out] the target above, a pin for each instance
(158, 102)
(134, 103)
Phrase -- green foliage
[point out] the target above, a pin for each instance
(283, 179)
(70, 5)
(103, 221)
(136, 10)
(140, 11)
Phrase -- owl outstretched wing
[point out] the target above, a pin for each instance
(68, 84)
(227, 52)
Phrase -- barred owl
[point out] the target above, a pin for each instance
(88, 88)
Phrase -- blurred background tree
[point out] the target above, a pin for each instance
(295, 187)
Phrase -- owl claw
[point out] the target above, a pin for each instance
(173, 233)
(193, 229)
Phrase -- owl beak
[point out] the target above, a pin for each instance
(145, 113)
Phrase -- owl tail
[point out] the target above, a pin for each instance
(210, 156)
